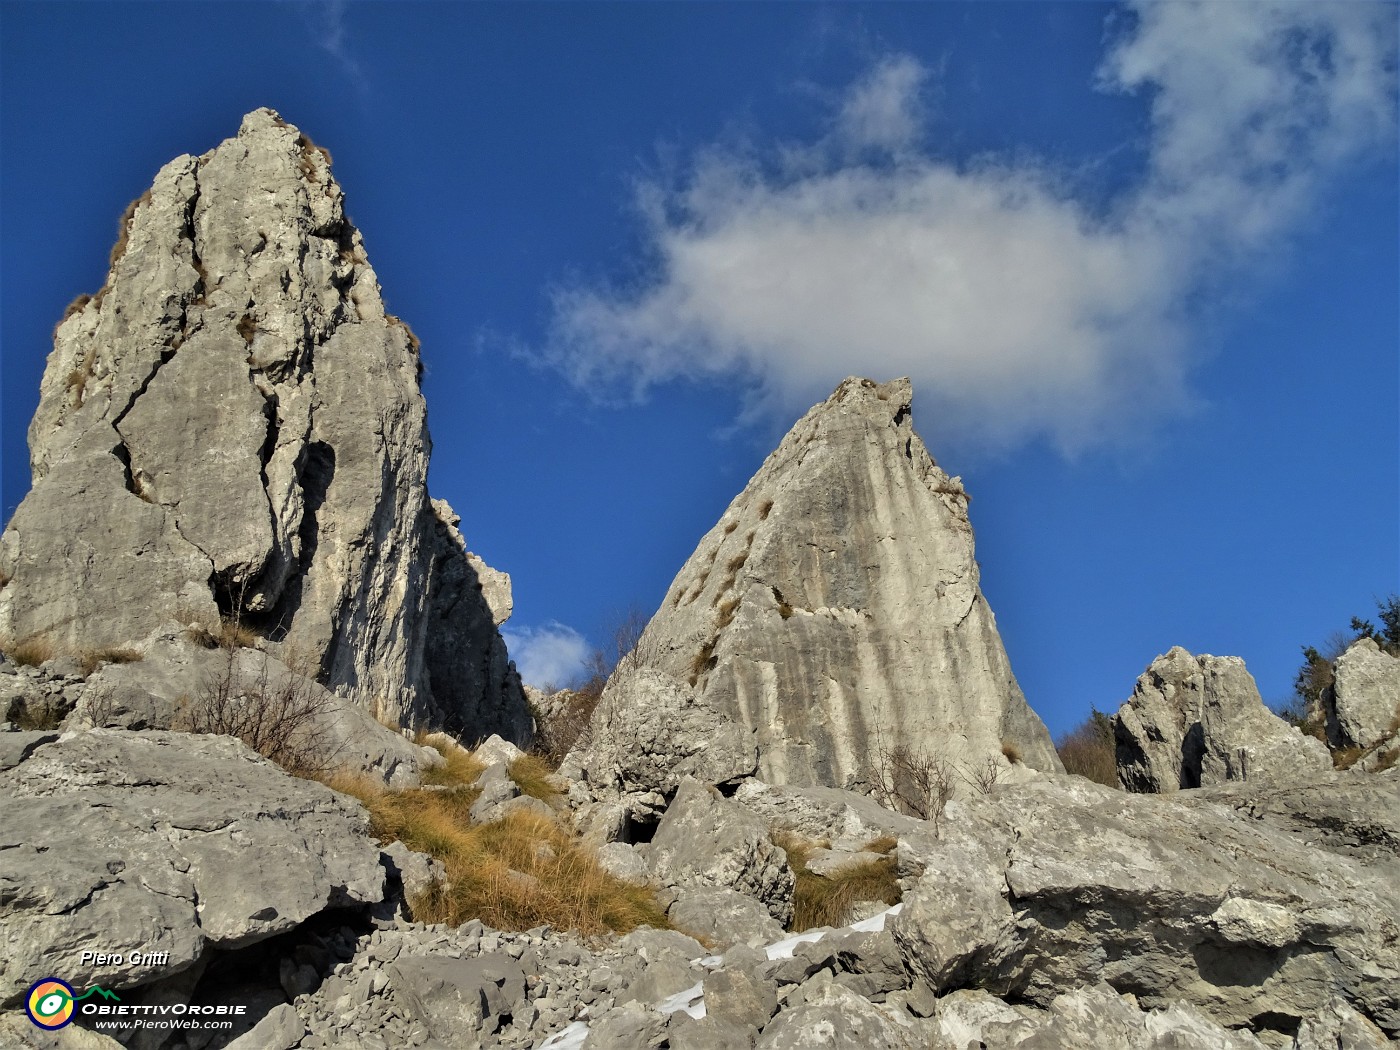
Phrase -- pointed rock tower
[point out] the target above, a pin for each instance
(833, 611)
(232, 428)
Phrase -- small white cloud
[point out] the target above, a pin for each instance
(883, 111)
(1020, 310)
(549, 656)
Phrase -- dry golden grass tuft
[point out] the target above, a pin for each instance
(531, 774)
(459, 767)
(124, 228)
(513, 874)
(92, 659)
(229, 633)
(821, 901)
(32, 651)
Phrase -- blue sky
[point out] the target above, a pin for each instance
(1140, 262)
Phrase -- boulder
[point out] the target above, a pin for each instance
(1244, 901)
(1363, 705)
(648, 732)
(833, 612)
(232, 430)
(848, 820)
(707, 841)
(723, 917)
(839, 1019)
(458, 1000)
(1085, 1017)
(156, 842)
(1193, 721)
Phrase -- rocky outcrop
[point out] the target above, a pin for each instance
(708, 841)
(1362, 707)
(834, 610)
(649, 731)
(232, 427)
(1253, 904)
(1194, 721)
(154, 842)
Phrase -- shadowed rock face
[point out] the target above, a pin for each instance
(233, 426)
(834, 609)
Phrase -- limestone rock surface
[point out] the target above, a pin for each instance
(650, 730)
(706, 840)
(1364, 704)
(1194, 721)
(834, 609)
(233, 427)
(1241, 901)
(164, 842)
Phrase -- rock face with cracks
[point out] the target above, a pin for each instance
(232, 427)
(1256, 904)
(1194, 721)
(834, 610)
(153, 842)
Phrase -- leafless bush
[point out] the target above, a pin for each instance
(280, 713)
(912, 781)
(983, 777)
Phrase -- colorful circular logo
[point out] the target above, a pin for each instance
(50, 1003)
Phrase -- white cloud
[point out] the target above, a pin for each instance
(1019, 311)
(548, 656)
(883, 110)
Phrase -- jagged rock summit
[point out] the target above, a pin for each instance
(832, 612)
(232, 427)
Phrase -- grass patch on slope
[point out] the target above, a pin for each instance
(821, 901)
(513, 874)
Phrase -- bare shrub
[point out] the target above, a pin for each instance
(913, 781)
(280, 713)
(983, 777)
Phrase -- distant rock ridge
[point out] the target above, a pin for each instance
(833, 612)
(232, 427)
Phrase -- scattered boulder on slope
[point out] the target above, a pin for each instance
(708, 841)
(1362, 706)
(154, 842)
(834, 611)
(233, 428)
(1193, 721)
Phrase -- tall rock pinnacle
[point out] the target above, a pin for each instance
(834, 611)
(232, 427)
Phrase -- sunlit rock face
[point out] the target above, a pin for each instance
(834, 611)
(233, 427)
